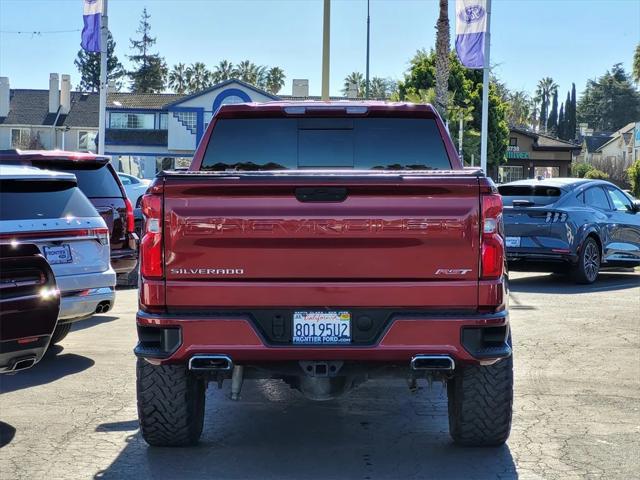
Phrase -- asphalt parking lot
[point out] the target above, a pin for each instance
(577, 407)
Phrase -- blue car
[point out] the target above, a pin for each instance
(570, 225)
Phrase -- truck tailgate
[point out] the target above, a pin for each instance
(385, 240)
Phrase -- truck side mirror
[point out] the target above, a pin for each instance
(636, 206)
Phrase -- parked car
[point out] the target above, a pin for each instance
(570, 225)
(323, 244)
(49, 210)
(134, 187)
(29, 305)
(98, 180)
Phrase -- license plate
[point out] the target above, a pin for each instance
(321, 327)
(58, 254)
(512, 242)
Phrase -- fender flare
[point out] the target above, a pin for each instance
(584, 232)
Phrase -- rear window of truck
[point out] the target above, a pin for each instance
(35, 200)
(317, 143)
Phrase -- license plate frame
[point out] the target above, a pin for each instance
(58, 254)
(321, 327)
(512, 242)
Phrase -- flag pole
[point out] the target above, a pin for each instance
(326, 44)
(485, 93)
(102, 118)
(368, 29)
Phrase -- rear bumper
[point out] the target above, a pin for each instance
(540, 259)
(165, 339)
(81, 294)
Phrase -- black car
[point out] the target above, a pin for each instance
(570, 225)
(29, 306)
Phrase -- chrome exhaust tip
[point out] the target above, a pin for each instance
(432, 362)
(103, 307)
(210, 363)
(23, 363)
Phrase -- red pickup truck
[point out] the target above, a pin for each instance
(323, 244)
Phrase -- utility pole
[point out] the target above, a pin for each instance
(368, 30)
(326, 44)
(485, 93)
(102, 116)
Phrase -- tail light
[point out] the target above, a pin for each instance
(151, 244)
(131, 224)
(103, 235)
(555, 217)
(492, 244)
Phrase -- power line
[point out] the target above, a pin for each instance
(39, 32)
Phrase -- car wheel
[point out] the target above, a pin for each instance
(170, 404)
(588, 267)
(61, 331)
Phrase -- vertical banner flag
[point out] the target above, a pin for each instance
(471, 27)
(92, 16)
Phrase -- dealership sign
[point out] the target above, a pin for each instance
(515, 153)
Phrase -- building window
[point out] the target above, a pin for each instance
(188, 119)
(547, 172)
(20, 138)
(164, 121)
(134, 121)
(87, 141)
(513, 142)
(510, 173)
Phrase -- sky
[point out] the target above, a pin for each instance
(568, 40)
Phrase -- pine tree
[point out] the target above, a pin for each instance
(552, 121)
(88, 64)
(572, 114)
(151, 69)
(561, 122)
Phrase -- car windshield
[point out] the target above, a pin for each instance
(28, 200)
(313, 143)
(529, 195)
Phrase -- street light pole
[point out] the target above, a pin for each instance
(326, 36)
(368, 29)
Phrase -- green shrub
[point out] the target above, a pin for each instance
(633, 172)
(581, 169)
(596, 174)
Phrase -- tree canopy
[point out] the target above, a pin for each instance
(610, 102)
(88, 64)
(465, 99)
(150, 69)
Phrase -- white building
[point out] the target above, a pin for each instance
(50, 119)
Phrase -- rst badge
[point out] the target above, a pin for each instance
(452, 271)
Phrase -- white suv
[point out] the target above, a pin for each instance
(48, 209)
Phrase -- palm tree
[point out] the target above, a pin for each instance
(200, 77)
(442, 58)
(545, 90)
(519, 108)
(378, 88)
(178, 78)
(223, 71)
(245, 71)
(260, 73)
(275, 80)
(354, 81)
